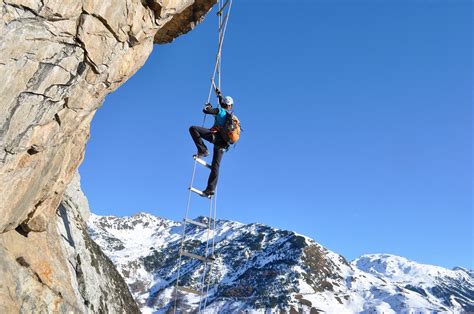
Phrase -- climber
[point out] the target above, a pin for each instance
(213, 136)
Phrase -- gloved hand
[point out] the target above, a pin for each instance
(218, 92)
(207, 107)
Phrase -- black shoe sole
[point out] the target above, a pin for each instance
(202, 155)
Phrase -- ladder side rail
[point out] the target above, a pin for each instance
(206, 252)
(213, 248)
(183, 235)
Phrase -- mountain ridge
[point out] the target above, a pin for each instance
(260, 268)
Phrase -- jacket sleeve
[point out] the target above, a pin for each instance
(210, 110)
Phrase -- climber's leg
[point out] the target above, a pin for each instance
(198, 133)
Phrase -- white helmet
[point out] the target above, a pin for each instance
(228, 101)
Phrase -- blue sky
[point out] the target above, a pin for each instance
(357, 118)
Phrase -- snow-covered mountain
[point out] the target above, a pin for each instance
(259, 268)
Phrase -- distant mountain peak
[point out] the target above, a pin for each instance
(401, 269)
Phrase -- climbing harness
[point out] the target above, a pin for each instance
(207, 257)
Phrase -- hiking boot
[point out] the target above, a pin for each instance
(202, 154)
(208, 192)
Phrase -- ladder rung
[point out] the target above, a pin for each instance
(198, 192)
(190, 290)
(197, 223)
(201, 161)
(199, 257)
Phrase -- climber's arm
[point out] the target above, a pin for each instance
(209, 110)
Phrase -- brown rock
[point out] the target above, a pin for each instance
(58, 60)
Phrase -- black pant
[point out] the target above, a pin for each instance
(198, 133)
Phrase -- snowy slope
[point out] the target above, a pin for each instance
(260, 268)
(439, 285)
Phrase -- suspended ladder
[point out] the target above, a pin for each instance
(207, 257)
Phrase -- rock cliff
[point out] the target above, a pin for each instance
(58, 60)
(97, 284)
(61, 269)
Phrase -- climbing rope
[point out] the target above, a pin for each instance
(222, 31)
(222, 28)
(209, 249)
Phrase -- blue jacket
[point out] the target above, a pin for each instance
(219, 113)
(220, 117)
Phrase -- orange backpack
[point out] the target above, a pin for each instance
(231, 129)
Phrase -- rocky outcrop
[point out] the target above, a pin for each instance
(97, 285)
(61, 269)
(58, 60)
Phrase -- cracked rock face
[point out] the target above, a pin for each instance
(96, 283)
(58, 60)
(60, 270)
